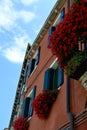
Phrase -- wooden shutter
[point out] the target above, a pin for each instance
(31, 67)
(25, 107)
(62, 14)
(60, 76)
(30, 111)
(37, 56)
(56, 78)
(48, 79)
(49, 33)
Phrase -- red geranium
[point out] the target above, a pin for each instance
(43, 103)
(64, 40)
(20, 124)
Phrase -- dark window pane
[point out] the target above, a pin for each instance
(31, 67)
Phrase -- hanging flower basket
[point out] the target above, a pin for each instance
(43, 103)
(64, 41)
(20, 124)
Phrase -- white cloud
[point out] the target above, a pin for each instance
(12, 21)
(0, 48)
(21, 41)
(28, 2)
(16, 52)
(9, 16)
(26, 16)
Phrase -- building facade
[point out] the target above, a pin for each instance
(40, 71)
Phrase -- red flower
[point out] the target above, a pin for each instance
(64, 40)
(20, 124)
(43, 103)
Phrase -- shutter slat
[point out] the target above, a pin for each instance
(60, 76)
(31, 67)
(48, 79)
(62, 14)
(56, 78)
(25, 107)
(30, 111)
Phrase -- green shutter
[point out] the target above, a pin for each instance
(60, 76)
(48, 79)
(62, 14)
(25, 107)
(31, 67)
(56, 78)
(30, 112)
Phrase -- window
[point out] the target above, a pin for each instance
(48, 79)
(31, 67)
(62, 14)
(34, 62)
(57, 20)
(49, 33)
(37, 57)
(53, 28)
(25, 107)
(27, 110)
(53, 77)
(32, 96)
(60, 17)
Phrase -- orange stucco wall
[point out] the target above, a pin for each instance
(58, 115)
(82, 126)
(78, 97)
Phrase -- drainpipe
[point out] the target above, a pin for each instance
(71, 117)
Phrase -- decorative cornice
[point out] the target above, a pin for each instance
(18, 91)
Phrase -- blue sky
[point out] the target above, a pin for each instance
(20, 22)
